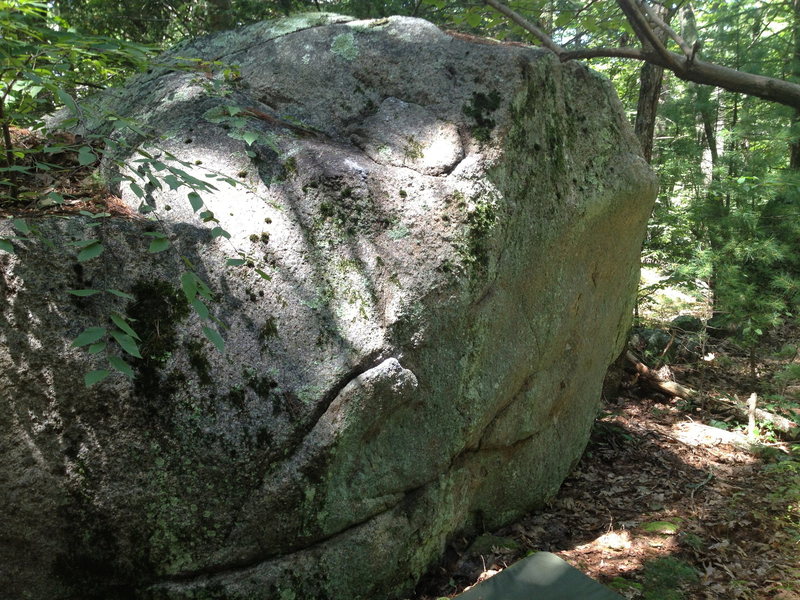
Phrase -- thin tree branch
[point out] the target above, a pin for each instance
(766, 88)
(585, 7)
(646, 34)
(659, 22)
(545, 39)
(697, 71)
(5, 125)
(621, 52)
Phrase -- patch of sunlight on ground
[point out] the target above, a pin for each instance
(698, 434)
(664, 304)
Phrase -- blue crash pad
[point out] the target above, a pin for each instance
(541, 576)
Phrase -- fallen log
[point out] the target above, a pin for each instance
(652, 380)
(741, 412)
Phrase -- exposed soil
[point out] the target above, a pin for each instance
(663, 505)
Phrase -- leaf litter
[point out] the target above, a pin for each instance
(670, 501)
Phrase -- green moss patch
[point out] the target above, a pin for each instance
(479, 109)
(662, 527)
(156, 311)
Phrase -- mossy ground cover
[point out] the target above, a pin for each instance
(655, 511)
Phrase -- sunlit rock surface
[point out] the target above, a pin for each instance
(440, 245)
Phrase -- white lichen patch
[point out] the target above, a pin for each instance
(191, 91)
(303, 21)
(345, 45)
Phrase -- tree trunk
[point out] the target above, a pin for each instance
(794, 146)
(219, 15)
(651, 78)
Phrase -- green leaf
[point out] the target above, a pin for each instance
(22, 226)
(127, 343)
(204, 290)
(96, 348)
(136, 189)
(215, 338)
(54, 198)
(86, 156)
(67, 100)
(89, 336)
(235, 262)
(6, 246)
(196, 201)
(83, 293)
(200, 308)
(173, 182)
(121, 294)
(91, 251)
(158, 245)
(121, 366)
(249, 137)
(189, 285)
(120, 322)
(474, 19)
(154, 181)
(220, 232)
(664, 527)
(95, 377)
(563, 18)
(263, 275)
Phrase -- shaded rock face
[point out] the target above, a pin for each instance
(451, 231)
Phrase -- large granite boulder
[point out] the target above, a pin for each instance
(450, 230)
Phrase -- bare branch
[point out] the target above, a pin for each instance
(705, 73)
(654, 52)
(545, 39)
(659, 22)
(647, 36)
(624, 52)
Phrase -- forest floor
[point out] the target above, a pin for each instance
(671, 500)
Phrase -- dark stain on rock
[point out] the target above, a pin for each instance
(199, 362)
(156, 312)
